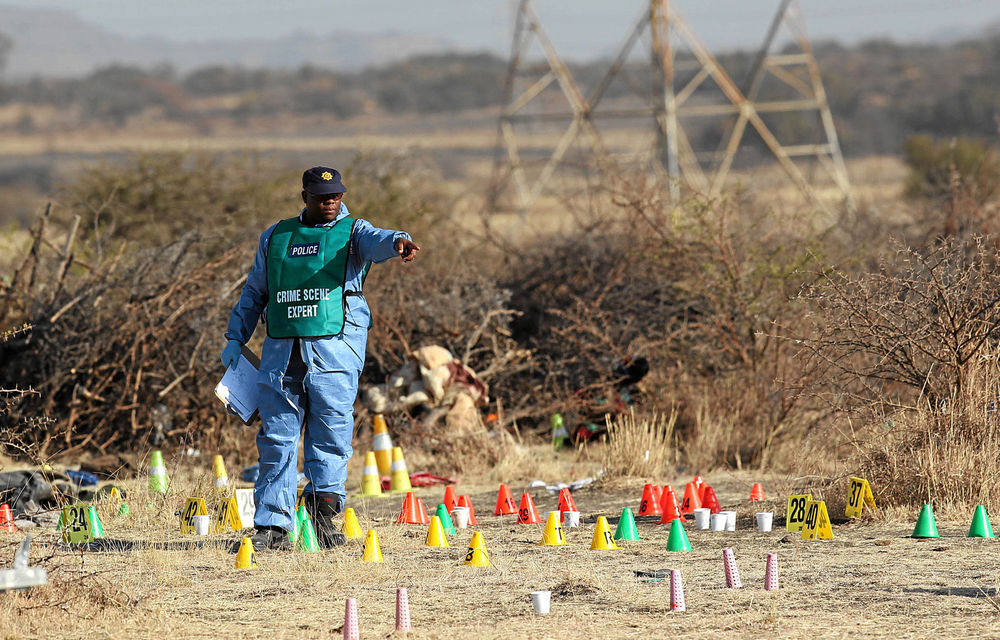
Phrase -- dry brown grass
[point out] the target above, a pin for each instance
(639, 446)
(870, 581)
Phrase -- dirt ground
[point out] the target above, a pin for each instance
(871, 580)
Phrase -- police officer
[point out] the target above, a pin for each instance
(306, 281)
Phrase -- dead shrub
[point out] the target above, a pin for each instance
(642, 447)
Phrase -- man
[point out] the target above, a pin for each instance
(306, 281)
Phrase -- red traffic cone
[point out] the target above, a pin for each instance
(411, 512)
(691, 501)
(649, 506)
(566, 502)
(663, 495)
(757, 493)
(698, 482)
(657, 494)
(671, 510)
(528, 514)
(423, 512)
(505, 502)
(709, 500)
(450, 500)
(466, 501)
(6, 518)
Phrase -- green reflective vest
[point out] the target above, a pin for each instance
(306, 271)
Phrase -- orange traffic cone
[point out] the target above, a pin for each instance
(6, 518)
(671, 510)
(423, 512)
(709, 500)
(450, 500)
(657, 494)
(649, 505)
(698, 482)
(505, 502)
(466, 501)
(757, 493)
(691, 501)
(528, 514)
(663, 495)
(410, 514)
(566, 502)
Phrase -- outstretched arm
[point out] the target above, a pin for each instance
(378, 245)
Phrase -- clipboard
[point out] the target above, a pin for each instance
(238, 387)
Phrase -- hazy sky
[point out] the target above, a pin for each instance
(579, 28)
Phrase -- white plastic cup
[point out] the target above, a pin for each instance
(764, 519)
(701, 517)
(461, 517)
(730, 520)
(718, 521)
(571, 518)
(200, 525)
(541, 600)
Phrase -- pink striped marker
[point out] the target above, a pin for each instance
(351, 620)
(403, 610)
(771, 573)
(732, 571)
(676, 591)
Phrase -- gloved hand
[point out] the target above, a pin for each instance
(231, 354)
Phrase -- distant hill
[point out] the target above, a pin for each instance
(58, 44)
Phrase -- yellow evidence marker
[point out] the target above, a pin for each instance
(817, 525)
(859, 494)
(80, 524)
(795, 515)
(192, 507)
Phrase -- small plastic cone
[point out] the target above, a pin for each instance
(6, 518)
(671, 509)
(95, 522)
(757, 492)
(980, 527)
(435, 534)
(158, 482)
(566, 502)
(295, 531)
(445, 518)
(466, 501)
(399, 481)
(351, 630)
(691, 499)
(698, 482)
(219, 471)
(528, 514)
(731, 570)
(626, 526)
(403, 611)
(649, 505)
(663, 495)
(926, 527)
(370, 483)
(381, 445)
(505, 502)
(410, 513)
(245, 557)
(477, 555)
(771, 573)
(708, 499)
(123, 510)
(552, 536)
(678, 540)
(676, 591)
(657, 495)
(602, 536)
(307, 535)
(371, 551)
(423, 512)
(351, 527)
(450, 499)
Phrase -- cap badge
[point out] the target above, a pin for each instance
(326, 175)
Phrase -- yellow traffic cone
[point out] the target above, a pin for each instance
(435, 534)
(371, 485)
(246, 558)
(400, 477)
(477, 556)
(381, 444)
(351, 527)
(602, 536)
(219, 471)
(371, 552)
(553, 534)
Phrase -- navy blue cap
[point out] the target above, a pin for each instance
(320, 181)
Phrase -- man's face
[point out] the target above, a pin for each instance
(324, 207)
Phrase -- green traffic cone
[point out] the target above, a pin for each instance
(626, 526)
(445, 517)
(926, 527)
(158, 482)
(981, 527)
(59, 524)
(123, 510)
(293, 534)
(307, 536)
(678, 540)
(95, 522)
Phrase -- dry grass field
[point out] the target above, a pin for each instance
(871, 580)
